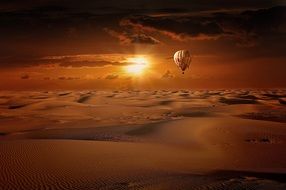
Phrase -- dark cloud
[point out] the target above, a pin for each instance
(68, 78)
(97, 60)
(20, 61)
(126, 38)
(168, 75)
(143, 39)
(174, 27)
(251, 27)
(89, 63)
(246, 28)
(52, 31)
(112, 76)
(25, 76)
(112, 6)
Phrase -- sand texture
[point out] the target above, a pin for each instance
(203, 140)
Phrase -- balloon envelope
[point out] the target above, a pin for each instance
(183, 59)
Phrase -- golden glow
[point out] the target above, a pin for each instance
(138, 65)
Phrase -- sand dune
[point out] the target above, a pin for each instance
(92, 165)
(209, 139)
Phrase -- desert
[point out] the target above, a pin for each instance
(165, 139)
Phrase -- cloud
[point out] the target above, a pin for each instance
(143, 39)
(20, 61)
(129, 38)
(31, 31)
(141, 6)
(112, 76)
(245, 28)
(176, 28)
(92, 60)
(68, 78)
(168, 75)
(25, 76)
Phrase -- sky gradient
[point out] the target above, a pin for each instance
(88, 44)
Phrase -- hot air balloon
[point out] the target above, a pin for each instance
(183, 59)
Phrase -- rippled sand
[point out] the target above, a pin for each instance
(219, 139)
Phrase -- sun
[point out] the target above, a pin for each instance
(138, 65)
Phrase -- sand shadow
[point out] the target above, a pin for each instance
(83, 99)
(231, 101)
(17, 106)
(265, 116)
(229, 174)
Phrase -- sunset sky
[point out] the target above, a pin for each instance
(92, 44)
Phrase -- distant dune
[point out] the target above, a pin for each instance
(216, 140)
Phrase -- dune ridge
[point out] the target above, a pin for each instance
(180, 139)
